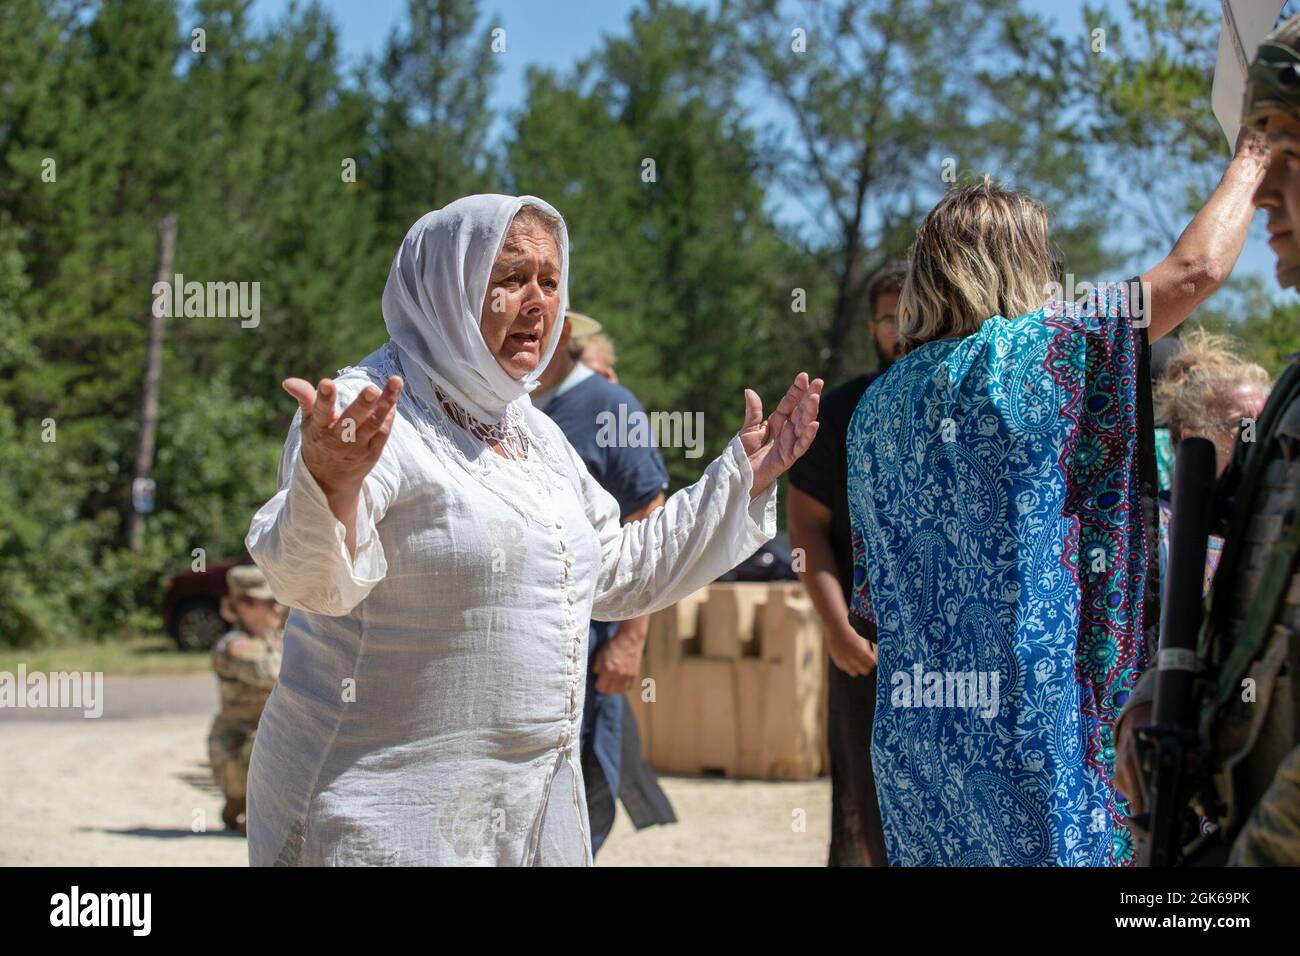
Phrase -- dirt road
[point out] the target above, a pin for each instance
(133, 788)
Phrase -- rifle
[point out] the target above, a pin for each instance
(1170, 748)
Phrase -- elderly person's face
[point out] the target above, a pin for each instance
(522, 299)
(1226, 415)
(597, 359)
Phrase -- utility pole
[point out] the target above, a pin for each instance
(142, 485)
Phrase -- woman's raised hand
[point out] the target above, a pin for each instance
(339, 449)
(774, 445)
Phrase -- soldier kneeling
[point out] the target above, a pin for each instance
(247, 663)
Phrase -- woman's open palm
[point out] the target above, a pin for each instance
(340, 448)
(774, 445)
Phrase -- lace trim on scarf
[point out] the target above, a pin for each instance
(505, 434)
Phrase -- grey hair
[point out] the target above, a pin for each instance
(535, 216)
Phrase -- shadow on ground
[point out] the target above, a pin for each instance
(160, 833)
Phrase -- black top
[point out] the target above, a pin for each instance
(823, 471)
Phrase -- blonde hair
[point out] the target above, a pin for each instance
(982, 251)
(1199, 381)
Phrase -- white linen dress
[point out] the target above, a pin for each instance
(430, 699)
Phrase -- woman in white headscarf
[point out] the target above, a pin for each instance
(444, 548)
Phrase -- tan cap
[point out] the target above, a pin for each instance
(248, 579)
(581, 325)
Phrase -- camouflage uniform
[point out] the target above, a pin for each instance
(1252, 636)
(1249, 649)
(247, 668)
(1272, 834)
(1252, 642)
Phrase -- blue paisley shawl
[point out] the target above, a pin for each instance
(995, 488)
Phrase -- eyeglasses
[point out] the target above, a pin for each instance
(1229, 426)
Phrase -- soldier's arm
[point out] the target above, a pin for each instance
(1135, 715)
(221, 663)
(251, 662)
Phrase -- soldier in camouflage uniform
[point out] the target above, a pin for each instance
(1249, 649)
(247, 664)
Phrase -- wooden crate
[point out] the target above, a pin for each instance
(793, 723)
(673, 634)
(739, 676)
(729, 619)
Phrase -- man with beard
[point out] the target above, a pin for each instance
(818, 519)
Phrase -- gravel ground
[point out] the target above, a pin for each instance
(137, 791)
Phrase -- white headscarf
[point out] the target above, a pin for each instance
(434, 300)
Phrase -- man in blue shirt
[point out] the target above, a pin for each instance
(612, 764)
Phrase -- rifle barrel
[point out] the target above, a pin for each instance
(1180, 618)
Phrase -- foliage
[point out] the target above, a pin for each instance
(779, 181)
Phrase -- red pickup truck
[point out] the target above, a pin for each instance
(191, 607)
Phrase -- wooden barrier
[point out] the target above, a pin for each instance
(734, 683)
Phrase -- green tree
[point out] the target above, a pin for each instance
(1267, 326)
(280, 192)
(1144, 104)
(645, 149)
(241, 133)
(881, 105)
(431, 137)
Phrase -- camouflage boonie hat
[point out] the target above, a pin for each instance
(1273, 80)
(248, 579)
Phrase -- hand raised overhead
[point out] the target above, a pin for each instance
(339, 449)
(774, 445)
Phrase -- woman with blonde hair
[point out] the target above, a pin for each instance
(1208, 391)
(997, 483)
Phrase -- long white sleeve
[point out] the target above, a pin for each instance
(700, 532)
(302, 548)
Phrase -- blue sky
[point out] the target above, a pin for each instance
(560, 32)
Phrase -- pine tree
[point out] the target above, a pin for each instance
(434, 119)
(644, 149)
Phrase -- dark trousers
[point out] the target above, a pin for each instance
(613, 768)
(857, 838)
